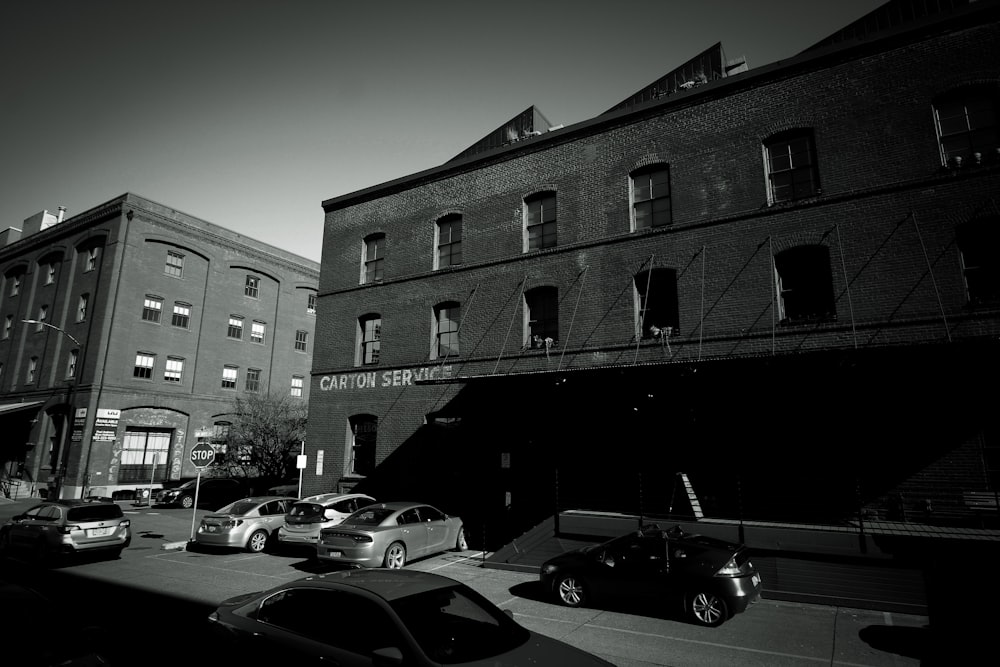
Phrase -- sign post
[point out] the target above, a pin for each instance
(202, 456)
(300, 463)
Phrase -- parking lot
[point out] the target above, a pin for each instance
(160, 587)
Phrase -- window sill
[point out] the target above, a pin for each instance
(809, 320)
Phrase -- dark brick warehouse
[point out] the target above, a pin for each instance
(782, 281)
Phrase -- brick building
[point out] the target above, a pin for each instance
(143, 324)
(781, 281)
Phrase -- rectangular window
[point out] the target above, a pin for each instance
(374, 257)
(253, 380)
(229, 376)
(50, 273)
(182, 315)
(540, 221)
(74, 355)
(791, 167)
(252, 287)
(43, 313)
(81, 307)
(311, 304)
(8, 324)
(144, 455)
(235, 330)
(297, 382)
(257, 330)
(151, 308)
(449, 246)
(300, 340)
(15, 284)
(175, 264)
(174, 369)
(32, 367)
(657, 314)
(144, 363)
(91, 262)
(651, 197)
(371, 333)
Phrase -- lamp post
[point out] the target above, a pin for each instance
(70, 416)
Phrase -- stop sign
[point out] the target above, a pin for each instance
(202, 455)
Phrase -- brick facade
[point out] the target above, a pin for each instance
(886, 214)
(132, 237)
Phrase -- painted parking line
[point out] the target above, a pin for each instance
(459, 559)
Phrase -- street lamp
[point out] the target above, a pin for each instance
(67, 435)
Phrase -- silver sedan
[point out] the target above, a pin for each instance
(389, 535)
(251, 523)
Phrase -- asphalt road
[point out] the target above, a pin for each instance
(153, 602)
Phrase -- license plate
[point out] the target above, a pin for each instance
(212, 529)
(99, 532)
(756, 580)
(335, 554)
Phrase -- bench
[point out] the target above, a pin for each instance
(980, 500)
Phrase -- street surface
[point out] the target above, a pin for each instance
(158, 596)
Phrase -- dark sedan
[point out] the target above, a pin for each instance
(713, 579)
(382, 617)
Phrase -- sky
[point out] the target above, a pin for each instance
(250, 113)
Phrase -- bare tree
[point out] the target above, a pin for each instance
(265, 436)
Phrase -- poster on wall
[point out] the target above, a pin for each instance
(106, 425)
(79, 420)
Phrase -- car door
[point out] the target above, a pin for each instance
(273, 514)
(314, 626)
(634, 568)
(437, 529)
(26, 530)
(413, 533)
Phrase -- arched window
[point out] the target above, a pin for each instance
(541, 317)
(369, 339)
(650, 197)
(362, 434)
(540, 221)
(791, 166)
(448, 241)
(966, 122)
(979, 250)
(372, 258)
(805, 284)
(656, 303)
(447, 316)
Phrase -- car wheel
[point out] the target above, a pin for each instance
(707, 609)
(395, 556)
(187, 502)
(571, 591)
(461, 544)
(257, 541)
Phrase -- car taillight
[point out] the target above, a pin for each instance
(730, 569)
(232, 523)
(361, 538)
(124, 523)
(66, 530)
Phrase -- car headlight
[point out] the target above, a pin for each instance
(548, 568)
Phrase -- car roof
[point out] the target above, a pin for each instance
(324, 497)
(75, 502)
(387, 584)
(400, 505)
(260, 500)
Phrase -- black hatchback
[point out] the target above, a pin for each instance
(713, 579)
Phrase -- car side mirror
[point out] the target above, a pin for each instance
(387, 657)
(17, 517)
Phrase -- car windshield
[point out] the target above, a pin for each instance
(94, 513)
(454, 625)
(239, 507)
(370, 516)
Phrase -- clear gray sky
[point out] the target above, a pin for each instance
(249, 113)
